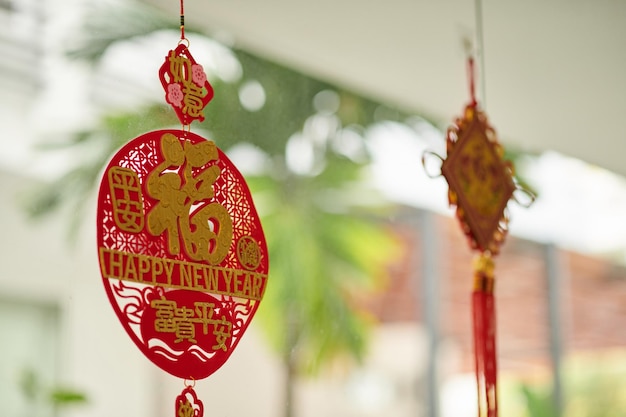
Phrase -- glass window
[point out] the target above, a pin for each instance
(28, 358)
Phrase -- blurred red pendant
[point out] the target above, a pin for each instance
(480, 185)
(480, 181)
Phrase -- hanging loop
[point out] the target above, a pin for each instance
(190, 384)
(429, 155)
(523, 196)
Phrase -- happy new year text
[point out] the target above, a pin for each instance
(180, 274)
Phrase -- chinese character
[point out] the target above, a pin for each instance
(182, 320)
(204, 312)
(164, 321)
(192, 100)
(180, 67)
(248, 253)
(126, 199)
(185, 329)
(185, 409)
(183, 71)
(183, 210)
(172, 319)
(222, 331)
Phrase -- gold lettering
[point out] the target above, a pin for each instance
(103, 262)
(185, 275)
(212, 279)
(126, 199)
(228, 276)
(157, 268)
(113, 265)
(169, 269)
(180, 274)
(247, 286)
(197, 277)
(144, 266)
(258, 281)
(237, 284)
(131, 269)
(185, 409)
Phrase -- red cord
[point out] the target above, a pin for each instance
(182, 20)
(471, 76)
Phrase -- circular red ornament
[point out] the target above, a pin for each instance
(182, 253)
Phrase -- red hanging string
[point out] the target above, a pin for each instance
(182, 39)
(483, 309)
(471, 75)
(182, 20)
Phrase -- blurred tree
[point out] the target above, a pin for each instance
(324, 249)
(593, 387)
(56, 397)
(538, 401)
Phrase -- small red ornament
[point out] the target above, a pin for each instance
(188, 404)
(186, 87)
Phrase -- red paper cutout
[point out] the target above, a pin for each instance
(186, 87)
(188, 404)
(182, 253)
(480, 182)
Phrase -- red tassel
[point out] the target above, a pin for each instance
(484, 316)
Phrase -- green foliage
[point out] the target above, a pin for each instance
(289, 102)
(321, 262)
(592, 387)
(36, 392)
(66, 396)
(109, 23)
(539, 401)
(93, 149)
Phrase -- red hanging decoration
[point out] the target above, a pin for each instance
(182, 253)
(186, 87)
(480, 181)
(480, 186)
(188, 404)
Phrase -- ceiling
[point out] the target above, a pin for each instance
(554, 71)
